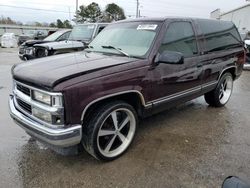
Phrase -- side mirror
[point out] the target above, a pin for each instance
(234, 182)
(170, 57)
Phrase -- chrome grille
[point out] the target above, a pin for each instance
(23, 89)
(25, 106)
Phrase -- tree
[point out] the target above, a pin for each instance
(67, 24)
(90, 13)
(52, 24)
(59, 23)
(113, 12)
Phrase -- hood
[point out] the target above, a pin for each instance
(30, 43)
(61, 45)
(48, 72)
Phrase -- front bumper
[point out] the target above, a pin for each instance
(63, 137)
(25, 57)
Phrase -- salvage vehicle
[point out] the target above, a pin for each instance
(32, 35)
(80, 36)
(27, 50)
(131, 70)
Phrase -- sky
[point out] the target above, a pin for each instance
(64, 9)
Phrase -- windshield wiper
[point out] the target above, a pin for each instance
(117, 49)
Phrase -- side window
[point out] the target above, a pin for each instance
(180, 37)
(63, 37)
(100, 29)
(219, 35)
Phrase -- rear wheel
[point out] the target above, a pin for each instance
(222, 93)
(110, 131)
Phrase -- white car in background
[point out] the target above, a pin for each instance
(8, 40)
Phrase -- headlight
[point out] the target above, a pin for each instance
(43, 115)
(29, 51)
(55, 100)
(42, 97)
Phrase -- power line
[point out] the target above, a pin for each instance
(39, 9)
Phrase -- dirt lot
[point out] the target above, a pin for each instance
(193, 145)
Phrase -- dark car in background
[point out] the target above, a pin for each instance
(27, 50)
(32, 35)
(80, 36)
(133, 69)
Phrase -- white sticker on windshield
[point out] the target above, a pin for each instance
(147, 27)
(91, 26)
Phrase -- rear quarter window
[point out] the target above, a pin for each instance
(219, 35)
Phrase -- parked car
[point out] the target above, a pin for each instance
(247, 64)
(78, 40)
(32, 35)
(8, 40)
(27, 50)
(132, 69)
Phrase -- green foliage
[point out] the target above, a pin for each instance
(59, 23)
(113, 13)
(67, 24)
(7, 20)
(90, 13)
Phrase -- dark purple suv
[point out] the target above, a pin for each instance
(131, 70)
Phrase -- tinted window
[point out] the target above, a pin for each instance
(65, 36)
(100, 29)
(180, 37)
(219, 35)
(82, 32)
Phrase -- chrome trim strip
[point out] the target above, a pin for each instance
(209, 84)
(225, 70)
(116, 94)
(27, 99)
(177, 95)
(42, 91)
(35, 118)
(57, 137)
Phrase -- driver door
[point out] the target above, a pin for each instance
(174, 81)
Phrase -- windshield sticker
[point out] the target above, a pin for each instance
(147, 27)
(91, 26)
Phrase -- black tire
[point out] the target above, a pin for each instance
(213, 98)
(95, 123)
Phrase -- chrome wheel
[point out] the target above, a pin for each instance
(226, 89)
(116, 132)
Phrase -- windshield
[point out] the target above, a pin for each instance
(54, 36)
(30, 32)
(135, 39)
(82, 32)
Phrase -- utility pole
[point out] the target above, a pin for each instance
(137, 8)
(76, 5)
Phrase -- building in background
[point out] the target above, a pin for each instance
(239, 16)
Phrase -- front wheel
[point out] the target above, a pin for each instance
(222, 93)
(110, 130)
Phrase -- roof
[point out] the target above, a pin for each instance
(236, 9)
(162, 19)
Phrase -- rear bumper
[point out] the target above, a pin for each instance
(63, 137)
